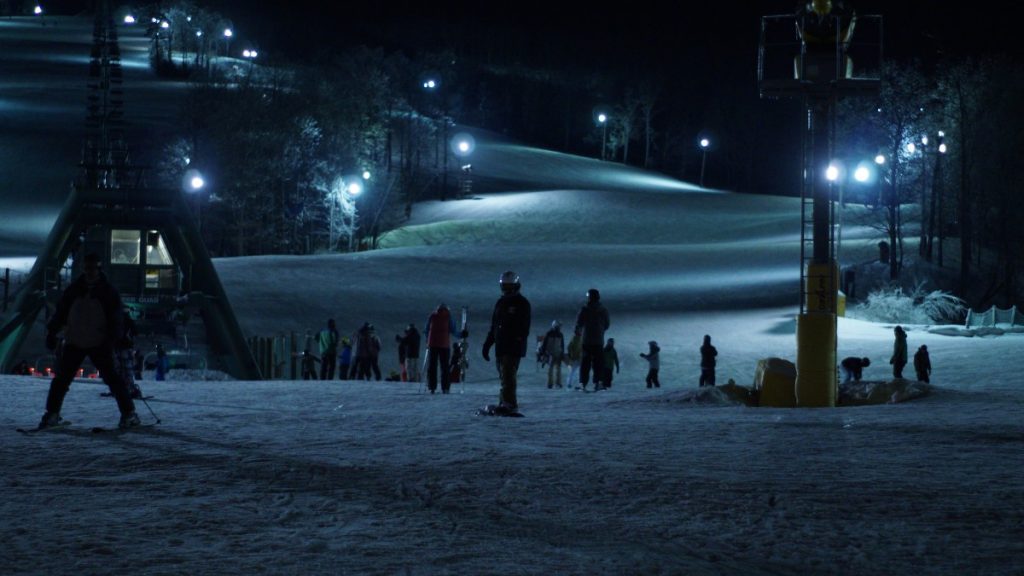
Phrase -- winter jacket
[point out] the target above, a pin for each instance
(593, 319)
(412, 343)
(922, 363)
(367, 344)
(653, 357)
(899, 349)
(575, 349)
(328, 341)
(611, 358)
(554, 345)
(440, 327)
(707, 356)
(90, 314)
(854, 365)
(510, 326)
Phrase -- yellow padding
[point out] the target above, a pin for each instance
(816, 378)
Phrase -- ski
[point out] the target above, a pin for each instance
(60, 426)
(108, 394)
(103, 430)
(498, 410)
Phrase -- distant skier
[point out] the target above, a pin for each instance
(708, 353)
(654, 364)
(853, 367)
(553, 346)
(328, 342)
(593, 321)
(438, 332)
(509, 334)
(308, 363)
(90, 314)
(899, 352)
(922, 364)
(572, 357)
(163, 364)
(345, 358)
(611, 360)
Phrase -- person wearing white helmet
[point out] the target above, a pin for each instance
(509, 335)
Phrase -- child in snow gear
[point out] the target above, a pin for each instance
(163, 364)
(572, 357)
(922, 364)
(345, 358)
(438, 332)
(308, 363)
(899, 352)
(90, 314)
(707, 362)
(654, 363)
(509, 334)
(553, 347)
(853, 367)
(593, 321)
(611, 359)
(328, 341)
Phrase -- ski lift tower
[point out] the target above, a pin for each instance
(146, 238)
(811, 55)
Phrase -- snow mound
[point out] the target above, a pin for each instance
(730, 394)
(884, 392)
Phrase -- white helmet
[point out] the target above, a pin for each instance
(509, 277)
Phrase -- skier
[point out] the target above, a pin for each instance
(922, 364)
(328, 341)
(899, 352)
(554, 349)
(509, 334)
(654, 363)
(308, 363)
(412, 353)
(853, 367)
(573, 355)
(593, 321)
(611, 359)
(438, 332)
(163, 364)
(345, 358)
(707, 362)
(90, 314)
(367, 353)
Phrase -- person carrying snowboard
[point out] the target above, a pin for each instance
(509, 334)
(90, 314)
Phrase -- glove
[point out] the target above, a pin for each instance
(487, 353)
(51, 341)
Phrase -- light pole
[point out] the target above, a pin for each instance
(704, 144)
(463, 145)
(228, 33)
(602, 119)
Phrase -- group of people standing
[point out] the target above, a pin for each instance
(853, 367)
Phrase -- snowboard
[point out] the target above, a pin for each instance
(498, 410)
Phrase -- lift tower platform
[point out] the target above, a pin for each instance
(146, 238)
(812, 56)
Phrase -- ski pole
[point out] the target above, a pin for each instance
(150, 410)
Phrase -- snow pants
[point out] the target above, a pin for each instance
(67, 366)
(439, 358)
(327, 366)
(593, 358)
(508, 368)
(571, 378)
(555, 373)
(707, 376)
(652, 378)
(412, 369)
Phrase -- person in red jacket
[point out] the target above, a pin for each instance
(439, 330)
(509, 334)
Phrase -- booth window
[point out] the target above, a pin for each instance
(156, 250)
(124, 246)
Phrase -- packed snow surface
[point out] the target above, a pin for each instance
(299, 477)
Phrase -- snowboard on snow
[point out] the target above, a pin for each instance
(498, 410)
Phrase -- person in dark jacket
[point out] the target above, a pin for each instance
(367, 353)
(899, 352)
(509, 334)
(922, 364)
(439, 330)
(90, 314)
(593, 321)
(411, 344)
(611, 360)
(708, 353)
(853, 367)
(328, 341)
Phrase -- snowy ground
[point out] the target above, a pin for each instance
(288, 477)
